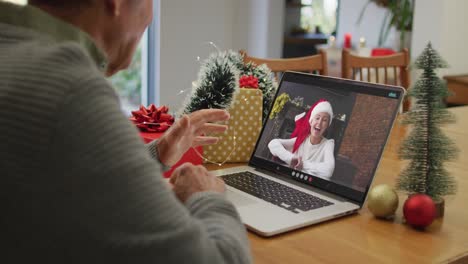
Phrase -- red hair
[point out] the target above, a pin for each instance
(302, 129)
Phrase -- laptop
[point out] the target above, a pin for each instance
(273, 194)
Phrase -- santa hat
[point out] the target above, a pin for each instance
(322, 107)
(302, 129)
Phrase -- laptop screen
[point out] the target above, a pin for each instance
(327, 132)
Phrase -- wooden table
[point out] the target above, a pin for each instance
(361, 238)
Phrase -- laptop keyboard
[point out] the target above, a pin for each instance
(274, 192)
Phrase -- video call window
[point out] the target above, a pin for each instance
(331, 134)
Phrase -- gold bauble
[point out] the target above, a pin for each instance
(382, 201)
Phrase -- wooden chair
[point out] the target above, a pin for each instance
(392, 69)
(311, 64)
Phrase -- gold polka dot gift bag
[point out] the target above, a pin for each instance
(238, 142)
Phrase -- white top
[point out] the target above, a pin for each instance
(318, 160)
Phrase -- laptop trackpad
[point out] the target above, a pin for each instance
(239, 199)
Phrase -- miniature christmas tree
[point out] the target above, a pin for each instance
(218, 82)
(427, 147)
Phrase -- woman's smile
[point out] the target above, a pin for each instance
(318, 124)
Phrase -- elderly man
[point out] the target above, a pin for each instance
(78, 185)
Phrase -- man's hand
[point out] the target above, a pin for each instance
(189, 179)
(187, 131)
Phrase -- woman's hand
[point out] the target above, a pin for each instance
(299, 164)
(296, 163)
(187, 132)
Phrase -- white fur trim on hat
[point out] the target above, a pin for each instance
(322, 107)
(299, 116)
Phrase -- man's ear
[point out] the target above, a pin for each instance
(114, 7)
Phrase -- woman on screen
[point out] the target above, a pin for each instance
(308, 150)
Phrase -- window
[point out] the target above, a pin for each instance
(134, 85)
(139, 84)
(319, 16)
(128, 83)
(308, 23)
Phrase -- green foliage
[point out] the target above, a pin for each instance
(218, 82)
(315, 14)
(266, 83)
(128, 82)
(427, 147)
(279, 104)
(399, 14)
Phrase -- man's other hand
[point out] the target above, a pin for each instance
(189, 179)
(187, 132)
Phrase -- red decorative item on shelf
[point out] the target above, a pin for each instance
(382, 52)
(347, 41)
(152, 119)
(419, 210)
(248, 81)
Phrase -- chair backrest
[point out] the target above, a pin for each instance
(392, 69)
(315, 63)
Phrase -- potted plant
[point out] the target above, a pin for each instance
(399, 14)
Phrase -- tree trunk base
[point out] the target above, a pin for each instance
(440, 208)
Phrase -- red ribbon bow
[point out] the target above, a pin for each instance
(248, 81)
(152, 119)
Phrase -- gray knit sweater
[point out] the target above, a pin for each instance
(77, 183)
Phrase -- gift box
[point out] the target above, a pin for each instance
(238, 142)
(153, 121)
(189, 156)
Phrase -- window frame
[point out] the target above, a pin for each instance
(151, 59)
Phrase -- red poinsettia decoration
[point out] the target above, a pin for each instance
(152, 119)
(248, 81)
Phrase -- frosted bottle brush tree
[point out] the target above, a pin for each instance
(427, 147)
(218, 82)
(216, 85)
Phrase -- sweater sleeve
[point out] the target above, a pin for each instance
(282, 148)
(115, 206)
(153, 150)
(323, 169)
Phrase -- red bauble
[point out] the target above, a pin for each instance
(419, 210)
